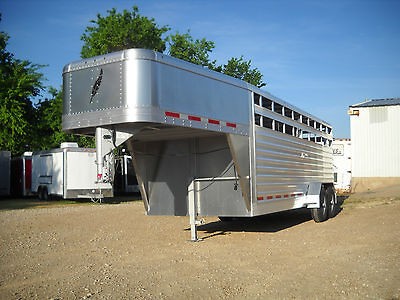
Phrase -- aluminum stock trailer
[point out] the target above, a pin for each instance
(202, 143)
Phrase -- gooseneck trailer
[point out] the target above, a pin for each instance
(202, 143)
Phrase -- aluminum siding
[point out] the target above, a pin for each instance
(376, 141)
(285, 165)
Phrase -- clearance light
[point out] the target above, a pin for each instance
(353, 112)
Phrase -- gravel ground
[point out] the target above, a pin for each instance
(114, 251)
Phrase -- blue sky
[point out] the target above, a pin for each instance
(321, 56)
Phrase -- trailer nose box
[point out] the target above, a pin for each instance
(144, 86)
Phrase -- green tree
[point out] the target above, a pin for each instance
(241, 69)
(20, 80)
(118, 31)
(197, 51)
(49, 124)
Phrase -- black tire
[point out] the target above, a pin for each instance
(45, 194)
(321, 214)
(331, 198)
(40, 195)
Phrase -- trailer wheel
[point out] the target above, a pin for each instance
(321, 214)
(45, 194)
(39, 193)
(332, 207)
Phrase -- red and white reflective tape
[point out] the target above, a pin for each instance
(176, 115)
(280, 196)
(172, 114)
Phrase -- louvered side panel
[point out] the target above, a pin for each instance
(285, 165)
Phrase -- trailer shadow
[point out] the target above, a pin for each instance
(118, 199)
(270, 223)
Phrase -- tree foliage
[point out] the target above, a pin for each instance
(24, 126)
(19, 81)
(241, 69)
(197, 51)
(49, 124)
(118, 31)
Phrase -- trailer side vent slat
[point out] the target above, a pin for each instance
(285, 127)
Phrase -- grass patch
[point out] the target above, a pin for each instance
(31, 203)
(362, 201)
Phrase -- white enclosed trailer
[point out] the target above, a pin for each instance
(342, 164)
(202, 143)
(67, 172)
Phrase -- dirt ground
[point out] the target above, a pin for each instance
(114, 251)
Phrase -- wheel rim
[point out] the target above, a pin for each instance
(324, 206)
(324, 203)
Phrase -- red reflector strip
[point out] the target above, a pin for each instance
(212, 121)
(172, 114)
(194, 118)
(270, 197)
(198, 119)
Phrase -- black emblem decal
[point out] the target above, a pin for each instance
(96, 85)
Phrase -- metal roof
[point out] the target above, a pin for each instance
(378, 102)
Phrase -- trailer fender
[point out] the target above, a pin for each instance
(313, 194)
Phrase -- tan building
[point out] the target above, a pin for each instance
(375, 139)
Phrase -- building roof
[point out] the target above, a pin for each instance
(378, 102)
